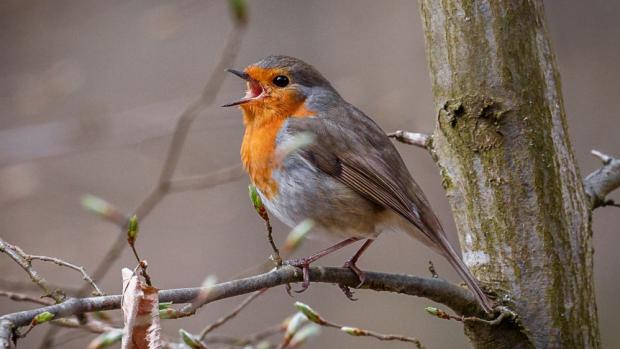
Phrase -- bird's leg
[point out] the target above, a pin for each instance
(304, 263)
(350, 263)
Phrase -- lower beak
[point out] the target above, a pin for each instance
(255, 90)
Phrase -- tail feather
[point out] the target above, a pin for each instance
(464, 272)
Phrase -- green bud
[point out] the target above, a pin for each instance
(254, 197)
(132, 228)
(190, 340)
(96, 205)
(42, 317)
(106, 339)
(164, 305)
(353, 331)
(168, 313)
(239, 10)
(310, 313)
(437, 312)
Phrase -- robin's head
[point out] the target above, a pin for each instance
(278, 84)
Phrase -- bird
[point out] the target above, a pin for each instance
(349, 178)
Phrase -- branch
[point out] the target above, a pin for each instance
(421, 140)
(353, 331)
(20, 297)
(457, 298)
(603, 181)
(62, 263)
(219, 322)
(20, 258)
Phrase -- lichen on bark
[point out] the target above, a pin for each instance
(506, 162)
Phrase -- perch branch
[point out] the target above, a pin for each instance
(457, 298)
(603, 181)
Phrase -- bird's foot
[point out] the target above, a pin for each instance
(304, 265)
(360, 275)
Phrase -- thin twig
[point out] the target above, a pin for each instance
(603, 181)
(251, 339)
(353, 331)
(63, 263)
(20, 258)
(421, 140)
(20, 297)
(219, 322)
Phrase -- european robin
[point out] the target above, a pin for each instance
(350, 179)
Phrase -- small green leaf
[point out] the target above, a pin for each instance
(164, 305)
(310, 313)
(42, 317)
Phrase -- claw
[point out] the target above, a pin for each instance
(347, 292)
(305, 269)
(360, 275)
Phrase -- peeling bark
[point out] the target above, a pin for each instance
(507, 165)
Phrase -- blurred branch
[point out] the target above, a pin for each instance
(20, 297)
(219, 322)
(208, 180)
(251, 339)
(603, 181)
(174, 150)
(421, 140)
(457, 298)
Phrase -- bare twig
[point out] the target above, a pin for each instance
(219, 322)
(21, 259)
(603, 181)
(251, 339)
(92, 326)
(353, 331)
(504, 313)
(421, 140)
(20, 297)
(63, 263)
(208, 180)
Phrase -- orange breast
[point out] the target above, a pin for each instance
(259, 145)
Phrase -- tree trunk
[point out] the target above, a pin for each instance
(506, 162)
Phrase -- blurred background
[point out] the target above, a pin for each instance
(90, 92)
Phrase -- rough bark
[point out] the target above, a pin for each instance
(507, 165)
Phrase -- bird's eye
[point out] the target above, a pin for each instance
(280, 81)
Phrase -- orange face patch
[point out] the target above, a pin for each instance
(263, 119)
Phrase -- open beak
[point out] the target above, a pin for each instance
(255, 90)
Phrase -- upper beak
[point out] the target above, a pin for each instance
(255, 90)
(240, 74)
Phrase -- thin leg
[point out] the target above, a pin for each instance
(350, 263)
(304, 263)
